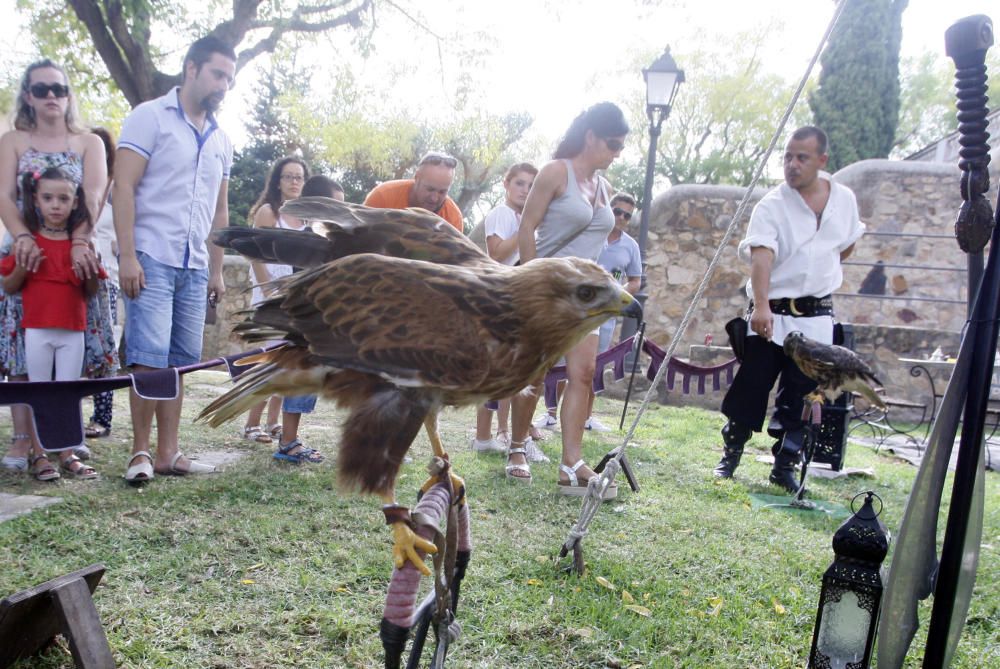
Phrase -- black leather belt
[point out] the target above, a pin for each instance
(801, 306)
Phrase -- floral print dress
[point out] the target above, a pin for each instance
(100, 355)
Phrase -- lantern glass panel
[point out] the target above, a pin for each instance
(843, 630)
(659, 87)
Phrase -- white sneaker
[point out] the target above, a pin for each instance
(596, 425)
(487, 446)
(533, 453)
(547, 422)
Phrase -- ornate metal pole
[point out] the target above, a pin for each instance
(967, 42)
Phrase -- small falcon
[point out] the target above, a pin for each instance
(834, 368)
(396, 316)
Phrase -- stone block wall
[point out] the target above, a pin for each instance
(219, 340)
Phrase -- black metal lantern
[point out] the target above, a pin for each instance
(852, 592)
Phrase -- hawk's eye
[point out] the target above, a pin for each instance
(586, 293)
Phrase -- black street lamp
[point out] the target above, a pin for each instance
(663, 78)
(852, 593)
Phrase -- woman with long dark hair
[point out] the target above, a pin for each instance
(284, 182)
(568, 214)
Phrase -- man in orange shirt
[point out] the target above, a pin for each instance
(427, 189)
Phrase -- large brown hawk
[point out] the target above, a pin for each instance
(397, 315)
(835, 369)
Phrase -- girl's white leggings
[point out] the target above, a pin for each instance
(48, 347)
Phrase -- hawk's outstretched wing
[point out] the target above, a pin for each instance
(347, 229)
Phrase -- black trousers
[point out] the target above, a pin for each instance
(746, 401)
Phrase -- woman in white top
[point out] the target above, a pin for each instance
(501, 227)
(284, 182)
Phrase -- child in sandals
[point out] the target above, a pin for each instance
(54, 297)
(290, 447)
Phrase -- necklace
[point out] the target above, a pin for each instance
(48, 229)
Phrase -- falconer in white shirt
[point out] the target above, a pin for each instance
(799, 234)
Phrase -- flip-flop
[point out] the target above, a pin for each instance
(193, 467)
(142, 472)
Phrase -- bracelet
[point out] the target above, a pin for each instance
(78, 241)
(24, 234)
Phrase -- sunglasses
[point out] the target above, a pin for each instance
(43, 90)
(627, 215)
(614, 144)
(434, 158)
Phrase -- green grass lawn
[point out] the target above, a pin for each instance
(266, 565)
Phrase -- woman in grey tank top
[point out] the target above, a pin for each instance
(568, 214)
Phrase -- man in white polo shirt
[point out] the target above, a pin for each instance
(798, 235)
(170, 188)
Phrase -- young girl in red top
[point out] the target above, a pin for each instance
(55, 307)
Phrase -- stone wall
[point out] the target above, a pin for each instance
(687, 224)
(219, 340)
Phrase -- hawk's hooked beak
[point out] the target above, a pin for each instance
(631, 307)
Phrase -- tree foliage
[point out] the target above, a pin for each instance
(272, 133)
(134, 37)
(366, 136)
(722, 120)
(927, 109)
(857, 102)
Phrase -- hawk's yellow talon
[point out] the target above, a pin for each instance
(405, 544)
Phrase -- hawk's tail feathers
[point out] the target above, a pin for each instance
(370, 455)
(862, 388)
(258, 384)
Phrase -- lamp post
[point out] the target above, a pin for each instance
(663, 78)
(852, 593)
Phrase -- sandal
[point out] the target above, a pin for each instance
(510, 469)
(576, 487)
(141, 472)
(274, 430)
(254, 433)
(304, 454)
(82, 452)
(74, 468)
(46, 472)
(95, 431)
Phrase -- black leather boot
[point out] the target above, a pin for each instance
(787, 454)
(734, 436)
